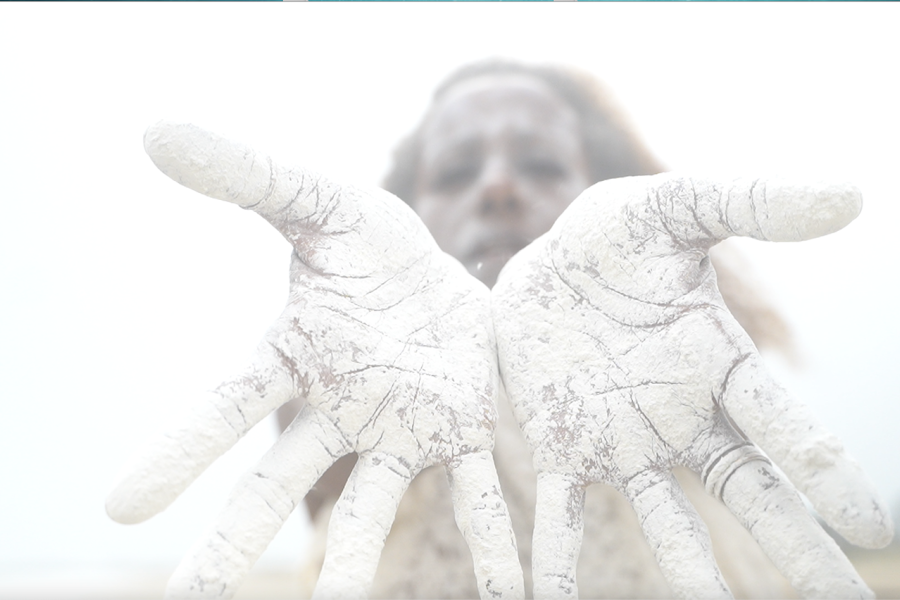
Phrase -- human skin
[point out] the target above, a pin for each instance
(501, 159)
(499, 163)
(391, 348)
(622, 362)
(480, 190)
(566, 126)
(496, 201)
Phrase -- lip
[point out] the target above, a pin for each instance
(497, 245)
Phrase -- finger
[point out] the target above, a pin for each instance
(558, 531)
(709, 211)
(775, 515)
(768, 506)
(359, 524)
(784, 211)
(483, 518)
(812, 457)
(214, 425)
(258, 507)
(677, 536)
(226, 170)
(297, 202)
(691, 214)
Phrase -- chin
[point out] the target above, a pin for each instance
(487, 269)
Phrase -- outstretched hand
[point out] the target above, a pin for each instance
(389, 342)
(621, 362)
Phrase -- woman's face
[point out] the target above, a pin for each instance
(501, 158)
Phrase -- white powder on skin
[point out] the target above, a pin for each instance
(622, 362)
(389, 341)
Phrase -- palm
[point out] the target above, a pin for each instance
(621, 362)
(387, 339)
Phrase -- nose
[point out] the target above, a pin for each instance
(500, 196)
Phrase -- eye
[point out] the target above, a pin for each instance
(455, 175)
(545, 169)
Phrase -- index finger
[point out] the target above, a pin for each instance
(811, 456)
(216, 423)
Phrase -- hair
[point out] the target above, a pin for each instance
(613, 149)
(610, 143)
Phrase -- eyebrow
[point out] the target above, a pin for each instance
(463, 146)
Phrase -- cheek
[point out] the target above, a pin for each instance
(551, 200)
(442, 218)
(572, 186)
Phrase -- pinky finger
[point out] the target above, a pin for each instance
(483, 519)
(558, 531)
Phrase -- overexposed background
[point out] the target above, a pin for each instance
(123, 294)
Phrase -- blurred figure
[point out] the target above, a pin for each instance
(502, 151)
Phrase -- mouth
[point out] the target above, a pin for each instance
(491, 254)
(496, 248)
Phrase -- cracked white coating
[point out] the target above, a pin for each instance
(389, 342)
(621, 362)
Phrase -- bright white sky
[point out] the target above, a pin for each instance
(123, 294)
